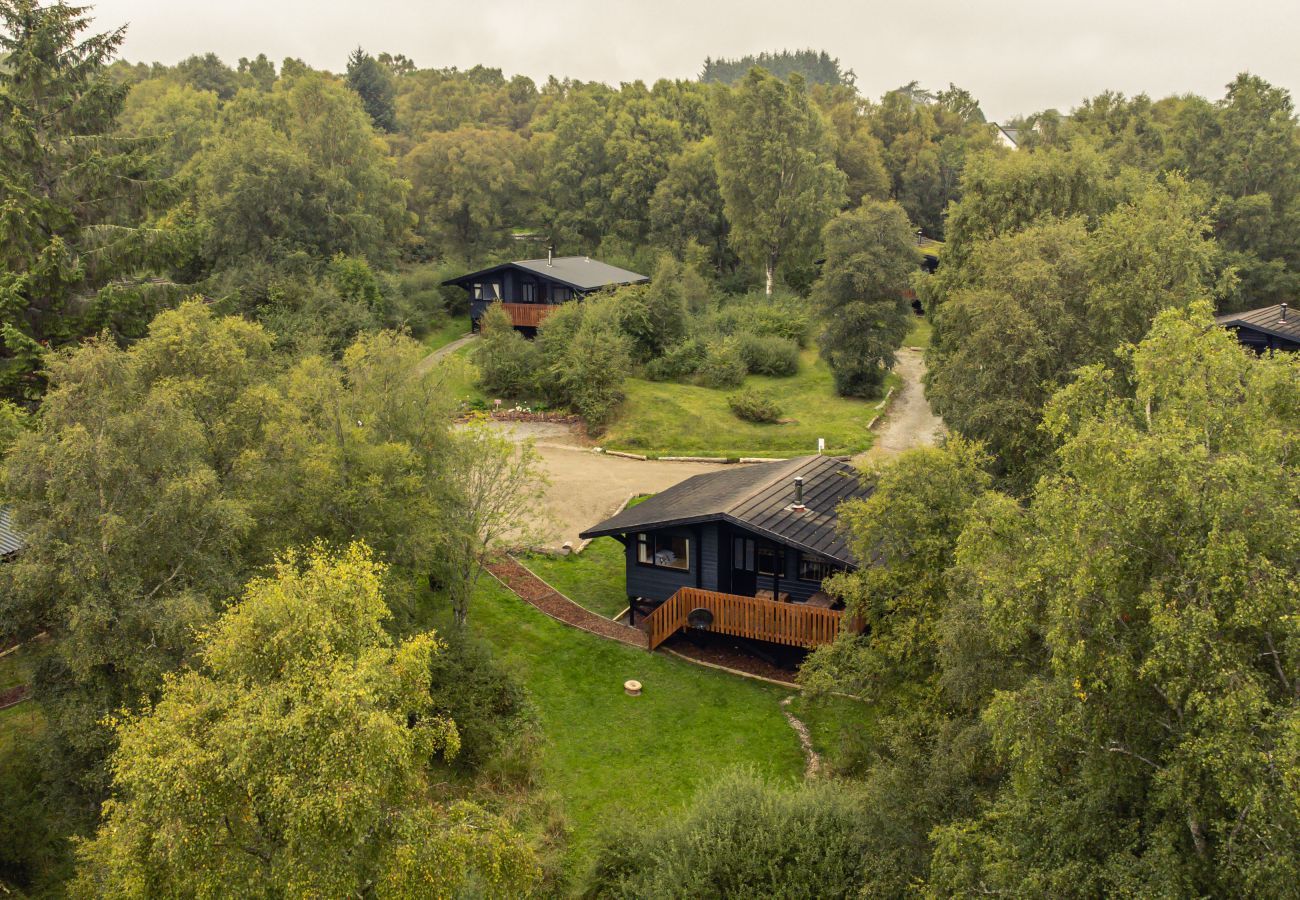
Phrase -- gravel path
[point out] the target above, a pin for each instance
(909, 422)
(445, 350)
(587, 487)
(814, 765)
(532, 590)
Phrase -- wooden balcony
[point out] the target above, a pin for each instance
(527, 315)
(794, 624)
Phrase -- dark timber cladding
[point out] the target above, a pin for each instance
(1268, 328)
(528, 289)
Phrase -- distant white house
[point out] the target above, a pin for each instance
(1008, 137)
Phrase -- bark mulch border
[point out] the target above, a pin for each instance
(537, 593)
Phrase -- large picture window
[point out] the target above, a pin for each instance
(812, 568)
(664, 551)
(529, 292)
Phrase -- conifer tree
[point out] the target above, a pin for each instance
(373, 85)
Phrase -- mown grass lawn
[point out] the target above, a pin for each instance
(669, 419)
(594, 578)
(460, 375)
(451, 329)
(617, 760)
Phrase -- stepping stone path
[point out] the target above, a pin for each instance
(535, 592)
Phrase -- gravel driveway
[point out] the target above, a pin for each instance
(910, 421)
(587, 487)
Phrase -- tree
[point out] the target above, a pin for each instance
(814, 66)
(469, 186)
(775, 169)
(293, 758)
(653, 315)
(299, 169)
(1153, 748)
(80, 240)
(179, 116)
(1019, 312)
(374, 86)
(870, 259)
(687, 206)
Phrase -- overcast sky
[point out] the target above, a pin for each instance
(1016, 56)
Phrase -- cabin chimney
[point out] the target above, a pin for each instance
(1283, 312)
(550, 256)
(798, 494)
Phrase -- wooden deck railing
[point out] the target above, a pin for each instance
(527, 315)
(764, 620)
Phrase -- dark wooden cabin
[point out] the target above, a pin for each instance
(528, 289)
(750, 544)
(1265, 329)
(10, 543)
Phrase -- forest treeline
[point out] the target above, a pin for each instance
(1082, 635)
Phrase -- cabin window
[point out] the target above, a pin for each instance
(742, 554)
(769, 561)
(664, 551)
(812, 568)
(476, 290)
(494, 290)
(560, 294)
(529, 292)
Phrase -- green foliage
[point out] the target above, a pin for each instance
(744, 837)
(768, 354)
(687, 207)
(179, 115)
(292, 758)
(722, 365)
(595, 364)
(775, 169)
(508, 363)
(653, 315)
(299, 169)
(870, 259)
(488, 704)
(1021, 311)
(679, 363)
(374, 86)
(782, 316)
(815, 67)
(79, 237)
(755, 406)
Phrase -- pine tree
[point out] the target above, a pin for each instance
(368, 78)
(74, 256)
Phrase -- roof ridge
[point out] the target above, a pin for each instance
(764, 485)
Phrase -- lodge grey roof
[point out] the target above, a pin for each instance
(581, 273)
(10, 542)
(1267, 319)
(757, 497)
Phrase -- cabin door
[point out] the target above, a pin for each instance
(744, 574)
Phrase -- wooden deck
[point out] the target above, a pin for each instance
(793, 624)
(528, 315)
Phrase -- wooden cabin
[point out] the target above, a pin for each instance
(10, 543)
(1266, 329)
(749, 544)
(528, 289)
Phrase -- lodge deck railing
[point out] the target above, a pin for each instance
(793, 624)
(527, 315)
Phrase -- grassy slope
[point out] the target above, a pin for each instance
(453, 328)
(616, 759)
(680, 419)
(919, 334)
(594, 578)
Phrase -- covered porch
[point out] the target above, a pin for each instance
(806, 625)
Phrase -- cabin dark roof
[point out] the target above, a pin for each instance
(757, 497)
(10, 542)
(582, 273)
(1268, 320)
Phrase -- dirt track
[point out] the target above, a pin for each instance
(586, 487)
(909, 422)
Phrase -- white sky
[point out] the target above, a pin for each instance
(1016, 56)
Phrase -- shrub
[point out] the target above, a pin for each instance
(755, 406)
(767, 354)
(679, 363)
(490, 708)
(744, 837)
(508, 364)
(596, 362)
(722, 366)
(785, 317)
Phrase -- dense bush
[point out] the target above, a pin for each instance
(490, 708)
(508, 364)
(596, 363)
(722, 366)
(679, 363)
(744, 837)
(755, 406)
(767, 354)
(785, 317)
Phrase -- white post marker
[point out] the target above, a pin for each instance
(821, 445)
